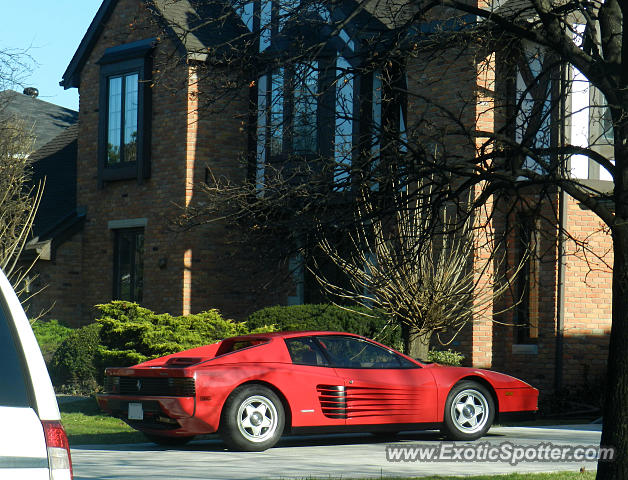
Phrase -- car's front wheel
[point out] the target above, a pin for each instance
(469, 411)
(252, 419)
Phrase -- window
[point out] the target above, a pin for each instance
(351, 352)
(306, 112)
(591, 124)
(534, 100)
(230, 345)
(306, 351)
(128, 270)
(344, 115)
(124, 131)
(122, 119)
(293, 112)
(287, 119)
(296, 267)
(13, 387)
(527, 309)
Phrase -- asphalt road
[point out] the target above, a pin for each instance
(333, 456)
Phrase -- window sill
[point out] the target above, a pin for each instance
(123, 172)
(525, 349)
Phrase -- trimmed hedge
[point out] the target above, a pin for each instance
(330, 318)
(445, 357)
(126, 334)
(75, 363)
(132, 334)
(50, 335)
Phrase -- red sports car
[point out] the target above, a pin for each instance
(251, 389)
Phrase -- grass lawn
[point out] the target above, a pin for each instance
(85, 424)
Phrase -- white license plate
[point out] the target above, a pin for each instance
(136, 412)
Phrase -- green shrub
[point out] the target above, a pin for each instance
(445, 357)
(328, 318)
(75, 363)
(132, 334)
(50, 334)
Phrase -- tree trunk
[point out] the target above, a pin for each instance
(416, 344)
(615, 430)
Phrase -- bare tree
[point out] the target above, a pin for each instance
(18, 203)
(417, 265)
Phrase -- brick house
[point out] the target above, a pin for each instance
(143, 145)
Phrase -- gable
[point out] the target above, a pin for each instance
(182, 20)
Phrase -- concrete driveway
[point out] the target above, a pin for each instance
(341, 456)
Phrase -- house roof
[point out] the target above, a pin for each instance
(55, 163)
(57, 144)
(185, 20)
(57, 218)
(46, 120)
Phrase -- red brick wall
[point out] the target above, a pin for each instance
(588, 292)
(60, 284)
(197, 270)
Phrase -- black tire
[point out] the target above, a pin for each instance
(469, 411)
(252, 419)
(168, 441)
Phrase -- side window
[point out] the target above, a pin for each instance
(128, 266)
(305, 351)
(125, 112)
(350, 352)
(13, 389)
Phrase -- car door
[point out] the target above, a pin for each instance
(380, 386)
(313, 386)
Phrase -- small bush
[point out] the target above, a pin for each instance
(328, 318)
(74, 365)
(445, 357)
(50, 334)
(132, 334)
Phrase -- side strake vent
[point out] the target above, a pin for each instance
(333, 399)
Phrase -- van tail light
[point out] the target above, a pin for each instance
(59, 459)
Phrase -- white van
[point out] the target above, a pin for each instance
(33, 444)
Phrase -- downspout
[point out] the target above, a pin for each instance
(562, 223)
(560, 293)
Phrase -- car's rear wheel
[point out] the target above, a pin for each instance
(168, 441)
(469, 411)
(252, 419)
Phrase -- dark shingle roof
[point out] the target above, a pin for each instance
(55, 163)
(186, 21)
(45, 119)
(193, 23)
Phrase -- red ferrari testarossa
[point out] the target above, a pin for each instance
(251, 389)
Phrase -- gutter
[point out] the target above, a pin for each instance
(562, 223)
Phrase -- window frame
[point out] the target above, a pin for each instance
(404, 363)
(119, 62)
(21, 368)
(116, 264)
(527, 310)
(315, 345)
